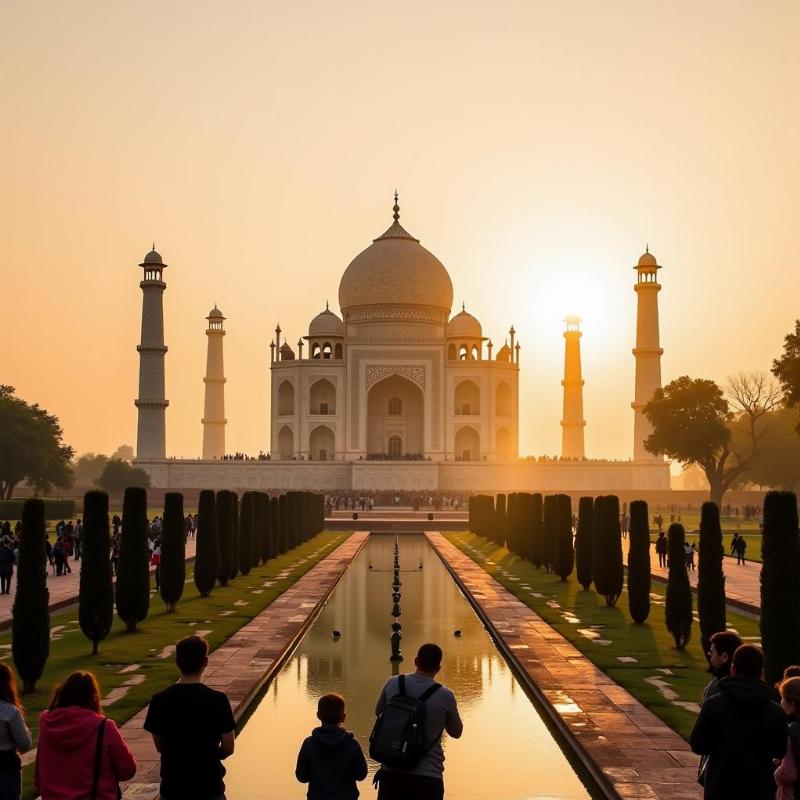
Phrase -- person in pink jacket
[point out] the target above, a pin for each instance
(787, 772)
(67, 766)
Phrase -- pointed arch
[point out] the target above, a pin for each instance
(286, 399)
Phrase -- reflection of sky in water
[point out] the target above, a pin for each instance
(505, 753)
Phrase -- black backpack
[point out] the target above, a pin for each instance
(398, 736)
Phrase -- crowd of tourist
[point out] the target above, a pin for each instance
(395, 498)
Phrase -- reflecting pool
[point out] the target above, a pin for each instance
(506, 751)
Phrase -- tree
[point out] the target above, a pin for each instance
(264, 521)
(206, 560)
(30, 615)
(787, 368)
(133, 570)
(678, 607)
(607, 569)
(710, 577)
(172, 570)
(246, 522)
(691, 421)
(564, 551)
(118, 475)
(31, 447)
(780, 584)
(96, 593)
(549, 532)
(124, 453)
(88, 468)
(639, 563)
(536, 533)
(283, 519)
(235, 533)
(583, 543)
(500, 520)
(225, 503)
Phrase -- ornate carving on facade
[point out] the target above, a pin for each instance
(397, 312)
(414, 374)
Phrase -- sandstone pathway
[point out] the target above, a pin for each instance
(63, 588)
(626, 746)
(242, 666)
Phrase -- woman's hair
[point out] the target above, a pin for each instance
(790, 690)
(8, 686)
(79, 689)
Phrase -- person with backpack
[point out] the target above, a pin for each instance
(741, 548)
(787, 773)
(330, 761)
(58, 556)
(7, 561)
(413, 714)
(661, 549)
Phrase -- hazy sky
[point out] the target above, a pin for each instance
(537, 146)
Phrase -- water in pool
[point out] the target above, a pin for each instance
(506, 751)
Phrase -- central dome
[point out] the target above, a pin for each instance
(396, 270)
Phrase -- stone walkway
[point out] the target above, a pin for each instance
(625, 746)
(742, 582)
(248, 660)
(63, 588)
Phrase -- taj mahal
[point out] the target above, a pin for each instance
(395, 393)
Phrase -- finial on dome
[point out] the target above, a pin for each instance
(154, 248)
(396, 208)
(647, 248)
(326, 305)
(463, 306)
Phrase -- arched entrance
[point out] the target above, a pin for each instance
(467, 444)
(467, 398)
(322, 397)
(286, 443)
(395, 415)
(322, 444)
(285, 399)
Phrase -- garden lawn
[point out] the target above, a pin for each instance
(667, 681)
(131, 667)
(691, 521)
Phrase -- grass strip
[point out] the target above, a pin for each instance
(665, 680)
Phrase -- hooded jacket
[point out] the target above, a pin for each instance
(330, 762)
(65, 755)
(741, 729)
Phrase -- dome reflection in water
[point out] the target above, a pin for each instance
(505, 753)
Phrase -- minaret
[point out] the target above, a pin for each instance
(214, 409)
(572, 423)
(647, 351)
(151, 435)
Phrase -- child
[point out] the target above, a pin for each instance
(788, 769)
(330, 760)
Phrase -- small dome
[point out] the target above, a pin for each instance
(464, 326)
(504, 353)
(326, 323)
(287, 354)
(215, 313)
(153, 257)
(647, 259)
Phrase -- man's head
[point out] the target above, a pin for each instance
(429, 659)
(720, 654)
(191, 655)
(748, 662)
(330, 709)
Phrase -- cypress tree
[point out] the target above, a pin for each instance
(283, 518)
(264, 517)
(235, 539)
(536, 533)
(96, 593)
(607, 567)
(511, 522)
(30, 615)
(500, 520)
(246, 534)
(780, 584)
(564, 553)
(525, 513)
(225, 504)
(710, 576)
(275, 527)
(172, 572)
(549, 532)
(583, 543)
(639, 562)
(678, 609)
(133, 570)
(597, 535)
(206, 560)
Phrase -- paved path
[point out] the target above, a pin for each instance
(63, 588)
(634, 753)
(248, 660)
(742, 582)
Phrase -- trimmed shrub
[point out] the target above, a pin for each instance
(780, 585)
(564, 559)
(133, 570)
(639, 562)
(206, 560)
(549, 533)
(607, 569)
(235, 539)
(96, 593)
(536, 531)
(500, 520)
(710, 576)
(275, 526)
(30, 615)
(225, 504)
(53, 509)
(524, 533)
(678, 608)
(172, 572)
(583, 543)
(264, 520)
(246, 534)
(283, 513)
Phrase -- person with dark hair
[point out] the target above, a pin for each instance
(742, 730)
(787, 772)
(193, 728)
(331, 761)
(661, 549)
(720, 658)
(424, 780)
(80, 753)
(15, 737)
